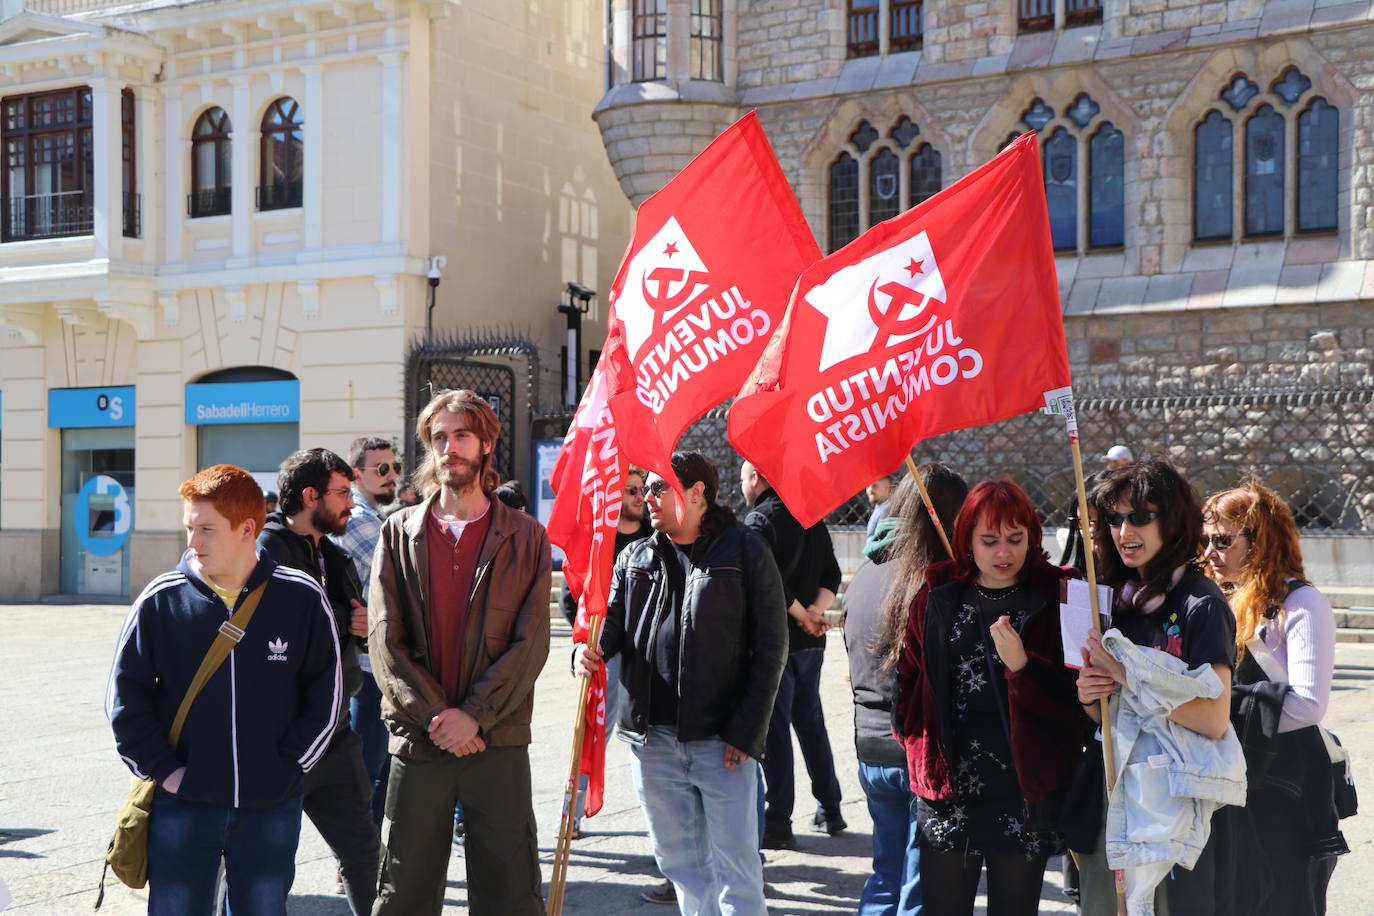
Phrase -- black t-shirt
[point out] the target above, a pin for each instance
(663, 684)
(1194, 624)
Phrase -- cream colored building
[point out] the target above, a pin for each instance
(219, 218)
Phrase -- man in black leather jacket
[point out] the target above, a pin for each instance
(696, 612)
(316, 500)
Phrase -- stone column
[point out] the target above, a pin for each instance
(392, 134)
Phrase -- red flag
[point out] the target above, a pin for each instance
(703, 285)
(944, 317)
(588, 481)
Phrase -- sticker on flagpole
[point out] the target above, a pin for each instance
(1059, 402)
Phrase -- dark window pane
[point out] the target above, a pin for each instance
(649, 40)
(1061, 189)
(884, 184)
(1035, 16)
(905, 131)
(1083, 110)
(863, 136)
(1082, 12)
(907, 25)
(1291, 85)
(1106, 189)
(1264, 172)
(1212, 178)
(844, 201)
(1037, 115)
(1318, 134)
(925, 174)
(1240, 92)
(863, 28)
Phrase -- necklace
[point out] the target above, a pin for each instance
(1003, 592)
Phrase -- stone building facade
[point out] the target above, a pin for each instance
(244, 261)
(1161, 302)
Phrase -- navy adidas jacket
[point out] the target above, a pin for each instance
(265, 716)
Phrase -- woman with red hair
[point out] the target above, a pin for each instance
(987, 711)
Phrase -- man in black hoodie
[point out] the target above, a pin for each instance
(316, 500)
(231, 786)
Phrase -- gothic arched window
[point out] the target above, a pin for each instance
(844, 201)
(1106, 188)
(1212, 178)
(1318, 137)
(866, 178)
(1264, 172)
(926, 179)
(884, 183)
(1061, 188)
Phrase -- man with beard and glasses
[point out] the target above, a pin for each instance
(375, 472)
(316, 500)
(458, 617)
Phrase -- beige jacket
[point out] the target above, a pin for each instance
(505, 636)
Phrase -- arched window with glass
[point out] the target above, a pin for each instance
(876, 176)
(283, 156)
(1084, 160)
(211, 165)
(1286, 187)
(1318, 139)
(1212, 178)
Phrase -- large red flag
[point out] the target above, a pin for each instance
(944, 317)
(703, 285)
(588, 481)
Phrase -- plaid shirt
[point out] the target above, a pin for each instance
(359, 539)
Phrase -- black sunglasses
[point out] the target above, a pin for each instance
(633, 491)
(1138, 518)
(1219, 541)
(656, 489)
(384, 468)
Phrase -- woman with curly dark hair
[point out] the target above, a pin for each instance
(1147, 534)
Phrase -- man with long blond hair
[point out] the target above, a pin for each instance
(231, 787)
(458, 631)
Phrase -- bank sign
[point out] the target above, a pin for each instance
(90, 407)
(243, 402)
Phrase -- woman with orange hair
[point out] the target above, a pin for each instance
(1285, 632)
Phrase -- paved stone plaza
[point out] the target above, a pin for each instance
(61, 783)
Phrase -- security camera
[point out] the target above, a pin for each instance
(436, 264)
(578, 291)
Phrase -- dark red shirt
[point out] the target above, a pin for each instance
(452, 568)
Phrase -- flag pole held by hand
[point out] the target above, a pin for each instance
(930, 507)
(558, 879)
(1060, 401)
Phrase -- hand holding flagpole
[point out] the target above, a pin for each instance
(1060, 401)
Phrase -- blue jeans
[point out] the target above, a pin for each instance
(894, 888)
(702, 824)
(798, 707)
(365, 715)
(186, 840)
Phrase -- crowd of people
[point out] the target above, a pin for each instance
(384, 664)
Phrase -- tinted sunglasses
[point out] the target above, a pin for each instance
(384, 468)
(1138, 518)
(1219, 541)
(633, 491)
(656, 489)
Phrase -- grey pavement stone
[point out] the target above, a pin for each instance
(61, 784)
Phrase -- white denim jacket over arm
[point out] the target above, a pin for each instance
(1169, 779)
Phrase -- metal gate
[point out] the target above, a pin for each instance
(432, 374)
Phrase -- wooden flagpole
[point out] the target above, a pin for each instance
(930, 507)
(1090, 568)
(558, 879)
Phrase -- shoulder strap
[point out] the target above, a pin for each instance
(1267, 661)
(230, 632)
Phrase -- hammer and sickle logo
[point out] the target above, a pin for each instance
(899, 297)
(670, 295)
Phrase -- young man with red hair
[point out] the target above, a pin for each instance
(231, 786)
